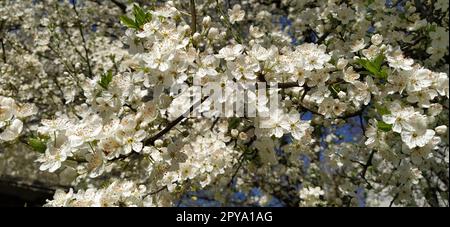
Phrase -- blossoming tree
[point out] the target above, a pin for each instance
(100, 101)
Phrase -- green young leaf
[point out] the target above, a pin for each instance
(382, 110)
(374, 67)
(105, 80)
(366, 64)
(385, 127)
(378, 61)
(431, 28)
(37, 144)
(383, 73)
(128, 22)
(234, 123)
(369, 2)
(140, 16)
(335, 89)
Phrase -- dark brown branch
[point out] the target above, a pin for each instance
(3, 50)
(86, 50)
(361, 122)
(214, 123)
(173, 123)
(193, 17)
(122, 6)
(240, 161)
(151, 141)
(393, 200)
(158, 191)
(2, 42)
(323, 37)
(368, 163)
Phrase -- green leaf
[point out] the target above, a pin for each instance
(370, 2)
(383, 73)
(366, 64)
(128, 22)
(384, 126)
(335, 89)
(374, 67)
(382, 110)
(378, 61)
(431, 28)
(105, 80)
(140, 16)
(234, 123)
(37, 144)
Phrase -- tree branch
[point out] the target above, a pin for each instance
(3, 50)
(86, 50)
(151, 141)
(361, 122)
(366, 166)
(1, 41)
(193, 17)
(393, 200)
(240, 161)
(122, 6)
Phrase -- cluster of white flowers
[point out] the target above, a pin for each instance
(311, 196)
(110, 109)
(201, 160)
(118, 193)
(11, 117)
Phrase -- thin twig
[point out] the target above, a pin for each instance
(240, 161)
(122, 6)
(3, 50)
(173, 123)
(214, 123)
(361, 122)
(1, 41)
(393, 199)
(193, 17)
(366, 166)
(86, 50)
(158, 191)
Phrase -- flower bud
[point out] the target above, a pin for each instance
(341, 94)
(159, 143)
(206, 21)
(341, 63)
(442, 129)
(234, 132)
(435, 109)
(213, 33)
(196, 37)
(243, 136)
(376, 39)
